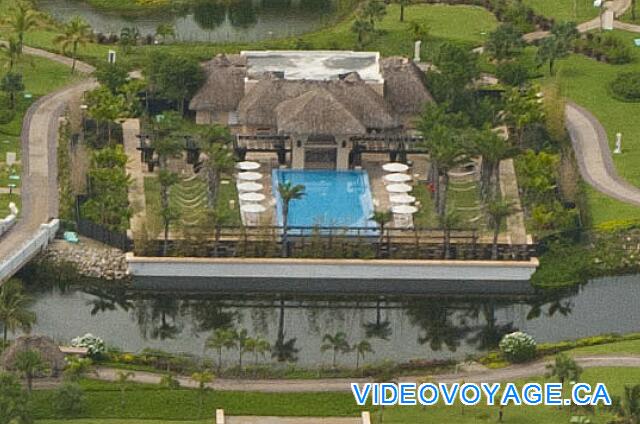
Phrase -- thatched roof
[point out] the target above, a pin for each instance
(405, 88)
(224, 87)
(316, 112)
(48, 349)
(258, 107)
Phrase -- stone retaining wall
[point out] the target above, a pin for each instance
(92, 259)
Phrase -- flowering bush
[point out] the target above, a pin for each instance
(95, 345)
(518, 347)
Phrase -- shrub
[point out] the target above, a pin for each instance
(626, 86)
(512, 73)
(69, 399)
(605, 47)
(518, 347)
(6, 116)
(95, 345)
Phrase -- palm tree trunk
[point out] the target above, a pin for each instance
(401, 13)
(5, 336)
(240, 358)
(73, 57)
(357, 360)
(443, 193)
(447, 242)
(285, 219)
(219, 359)
(494, 247)
(333, 363)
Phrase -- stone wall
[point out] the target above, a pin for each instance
(92, 259)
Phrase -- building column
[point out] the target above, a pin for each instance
(297, 152)
(342, 155)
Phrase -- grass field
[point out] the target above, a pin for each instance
(564, 10)
(585, 81)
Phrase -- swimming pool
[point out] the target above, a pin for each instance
(332, 198)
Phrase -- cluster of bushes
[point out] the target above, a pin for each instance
(626, 87)
(604, 47)
(155, 359)
(554, 348)
(111, 39)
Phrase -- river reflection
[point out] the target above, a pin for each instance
(399, 328)
(209, 20)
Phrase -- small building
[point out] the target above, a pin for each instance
(320, 102)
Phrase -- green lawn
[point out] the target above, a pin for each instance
(585, 81)
(119, 421)
(564, 10)
(626, 346)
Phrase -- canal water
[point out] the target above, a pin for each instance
(208, 20)
(399, 328)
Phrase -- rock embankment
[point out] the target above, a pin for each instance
(91, 259)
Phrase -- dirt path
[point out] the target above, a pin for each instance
(510, 373)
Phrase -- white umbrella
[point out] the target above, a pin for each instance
(398, 188)
(395, 167)
(244, 187)
(404, 209)
(397, 178)
(249, 176)
(402, 199)
(252, 208)
(252, 197)
(247, 166)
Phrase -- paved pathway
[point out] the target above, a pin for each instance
(510, 373)
(594, 156)
(130, 129)
(626, 26)
(39, 168)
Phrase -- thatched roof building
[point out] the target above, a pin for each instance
(48, 349)
(248, 90)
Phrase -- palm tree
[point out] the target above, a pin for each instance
(361, 349)
(564, 368)
(165, 30)
(362, 28)
(169, 213)
(202, 378)
(12, 84)
(241, 339)
(336, 343)
(493, 149)
(219, 159)
(222, 338)
(261, 349)
(29, 363)
(77, 32)
(403, 4)
(11, 52)
(498, 211)
(374, 10)
(382, 218)
(14, 312)
(446, 154)
(284, 350)
(77, 368)
(22, 19)
(627, 408)
(288, 192)
(448, 221)
(122, 377)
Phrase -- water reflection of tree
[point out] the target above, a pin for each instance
(108, 299)
(378, 328)
(209, 14)
(157, 318)
(284, 350)
(210, 314)
(434, 318)
(488, 335)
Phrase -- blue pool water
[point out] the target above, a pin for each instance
(332, 198)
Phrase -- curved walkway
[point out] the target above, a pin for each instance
(39, 164)
(511, 373)
(593, 154)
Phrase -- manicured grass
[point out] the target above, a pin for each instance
(154, 402)
(118, 421)
(627, 346)
(585, 81)
(564, 10)
(614, 378)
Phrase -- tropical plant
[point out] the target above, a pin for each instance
(122, 378)
(402, 4)
(558, 45)
(288, 192)
(21, 19)
(522, 108)
(112, 75)
(564, 369)
(129, 37)
(11, 52)
(77, 368)
(14, 309)
(168, 212)
(14, 402)
(69, 399)
(12, 84)
(374, 10)
(202, 378)
(337, 343)
(77, 32)
(165, 30)
(29, 364)
(363, 29)
(241, 339)
(382, 218)
(505, 42)
(95, 345)
(627, 407)
(219, 159)
(446, 154)
(518, 347)
(170, 382)
(497, 211)
(493, 149)
(284, 350)
(448, 221)
(222, 338)
(106, 107)
(361, 349)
